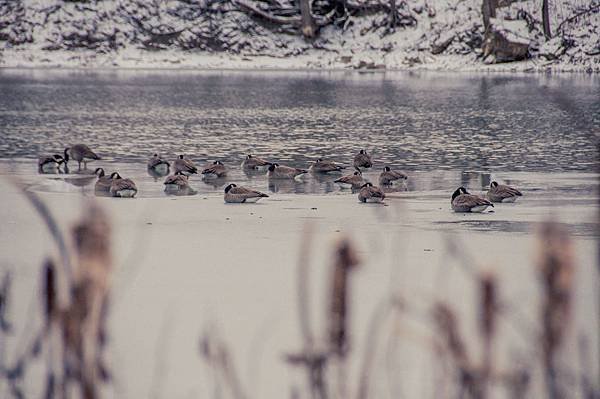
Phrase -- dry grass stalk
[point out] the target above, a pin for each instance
(217, 355)
(345, 260)
(556, 271)
(487, 325)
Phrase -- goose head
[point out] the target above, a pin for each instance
(99, 172)
(366, 185)
(115, 175)
(459, 191)
(229, 187)
(248, 156)
(272, 167)
(181, 157)
(387, 169)
(494, 184)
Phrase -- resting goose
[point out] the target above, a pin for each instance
(185, 166)
(49, 163)
(241, 195)
(215, 171)
(463, 201)
(388, 176)
(321, 166)
(354, 180)
(124, 188)
(277, 171)
(255, 163)
(176, 182)
(362, 160)
(158, 165)
(103, 183)
(502, 193)
(370, 193)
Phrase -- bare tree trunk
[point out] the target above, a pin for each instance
(488, 9)
(309, 28)
(546, 19)
(393, 13)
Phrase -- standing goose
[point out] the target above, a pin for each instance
(241, 195)
(124, 188)
(370, 193)
(158, 165)
(80, 153)
(502, 193)
(388, 176)
(277, 171)
(103, 183)
(354, 180)
(49, 163)
(185, 166)
(362, 160)
(463, 201)
(176, 183)
(215, 171)
(255, 163)
(321, 166)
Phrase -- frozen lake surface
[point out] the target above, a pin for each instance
(184, 264)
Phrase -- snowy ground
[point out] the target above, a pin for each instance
(50, 33)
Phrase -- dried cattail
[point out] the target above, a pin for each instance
(487, 324)
(555, 266)
(49, 290)
(345, 260)
(4, 293)
(445, 320)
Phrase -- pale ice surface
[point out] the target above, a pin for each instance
(185, 263)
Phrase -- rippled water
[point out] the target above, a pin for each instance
(412, 121)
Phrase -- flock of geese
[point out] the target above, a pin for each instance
(178, 183)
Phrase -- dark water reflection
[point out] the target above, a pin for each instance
(413, 121)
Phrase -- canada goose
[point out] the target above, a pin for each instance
(277, 171)
(184, 165)
(255, 163)
(463, 201)
(158, 165)
(370, 193)
(49, 163)
(240, 195)
(362, 160)
(103, 183)
(502, 193)
(80, 153)
(215, 171)
(176, 182)
(354, 180)
(388, 176)
(120, 187)
(321, 166)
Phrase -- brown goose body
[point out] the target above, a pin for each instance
(388, 176)
(362, 160)
(370, 193)
(158, 164)
(49, 163)
(103, 183)
(124, 188)
(80, 153)
(502, 193)
(241, 195)
(176, 182)
(321, 166)
(354, 180)
(214, 171)
(277, 171)
(184, 166)
(255, 163)
(463, 201)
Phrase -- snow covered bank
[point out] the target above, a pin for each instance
(440, 35)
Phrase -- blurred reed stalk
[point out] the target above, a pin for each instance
(556, 273)
(74, 303)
